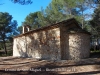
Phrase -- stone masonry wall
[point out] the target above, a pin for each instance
(65, 40)
(43, 44)
(19, 46)
(79, 46)
(53, 43)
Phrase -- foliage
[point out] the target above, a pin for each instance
(20, 29)
(7, 28)
(59, 10)
(42, 19)
(95, 22)
(32, 20)
(22, 2)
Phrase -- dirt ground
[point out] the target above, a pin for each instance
(30, 66)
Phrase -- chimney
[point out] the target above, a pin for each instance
(26, 28)
(23, 30)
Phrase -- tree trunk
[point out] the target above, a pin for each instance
(70, 13)
(82, 17)
(4, 44)
(98, 44)
(94, 45)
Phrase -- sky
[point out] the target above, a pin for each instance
(19, 12)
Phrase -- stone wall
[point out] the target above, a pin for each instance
(43, 44)
(64, 40)
(19, 46)
(79, 46)
(53, 43)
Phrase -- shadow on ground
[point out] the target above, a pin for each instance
(40, 67)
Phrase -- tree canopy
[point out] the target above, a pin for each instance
(7, 27)
(59, 10)
(32, 20)
(22, 2)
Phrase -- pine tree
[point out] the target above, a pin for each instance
(7, 28)
(32, 20)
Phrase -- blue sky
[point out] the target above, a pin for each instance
(19, 12)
